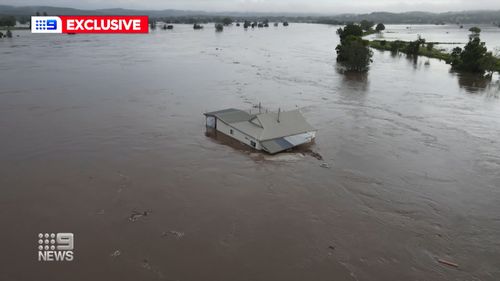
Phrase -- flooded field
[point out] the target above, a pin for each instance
(104, 137)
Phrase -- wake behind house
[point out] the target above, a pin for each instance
(272, 132)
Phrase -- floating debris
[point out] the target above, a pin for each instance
(136, 215)
(175, 233)
(331, 247)
(325, 165)
(145, 264)
(116, 253)
(449, 263)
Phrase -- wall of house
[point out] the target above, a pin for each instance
(226, 129)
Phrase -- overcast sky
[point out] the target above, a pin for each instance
(314, 6)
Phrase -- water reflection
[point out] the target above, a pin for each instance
(477, 83)
(354, 81)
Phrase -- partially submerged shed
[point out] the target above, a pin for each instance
(271, 131)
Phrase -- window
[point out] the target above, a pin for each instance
(231, 131)
(252, 143)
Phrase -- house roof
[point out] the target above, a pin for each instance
(231, 115)
(276, 145)
(290, 123)
(265, 126)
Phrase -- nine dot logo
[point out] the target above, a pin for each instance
(46, 25)
(55, 246)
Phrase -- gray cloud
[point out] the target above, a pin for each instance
(313, 6)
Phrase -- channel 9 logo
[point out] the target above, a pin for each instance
(55, 246)
(46, 25)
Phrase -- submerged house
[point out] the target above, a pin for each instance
(271, 131)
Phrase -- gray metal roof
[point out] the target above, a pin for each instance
(265, 126)
(231, 115)
(290, 123)
(276, 145)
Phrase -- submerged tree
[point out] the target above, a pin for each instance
(380, 27)
(353, 52)
(474, 57)
(413, 47)
(349, 30)
(475, 31)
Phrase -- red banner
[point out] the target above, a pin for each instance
(104, 24)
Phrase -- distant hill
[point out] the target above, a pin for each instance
(169, 14)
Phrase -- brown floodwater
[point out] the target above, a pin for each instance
(95, 129)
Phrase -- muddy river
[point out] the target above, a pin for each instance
(103, 136)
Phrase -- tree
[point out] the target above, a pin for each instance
(354, 54)
(475, 30)
(430, 46)
(366, 25)
(474, 57)
(380, 27)
(219, 27)
(455, 57)
(7, 21)
(349, 30)
(413, 47)
(227, 21)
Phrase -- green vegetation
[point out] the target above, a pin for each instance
(353, 52)
(473, 58)
(475, 30)
(366, 25)
(380, 27)
(227, 21)
(219, 27)
(350, 30)
(8, 21)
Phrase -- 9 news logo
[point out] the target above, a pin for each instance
(46, 25)
(55, 246)
(89, 24)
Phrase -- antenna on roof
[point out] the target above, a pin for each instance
(279, 110)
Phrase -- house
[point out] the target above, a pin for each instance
(271, 131)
